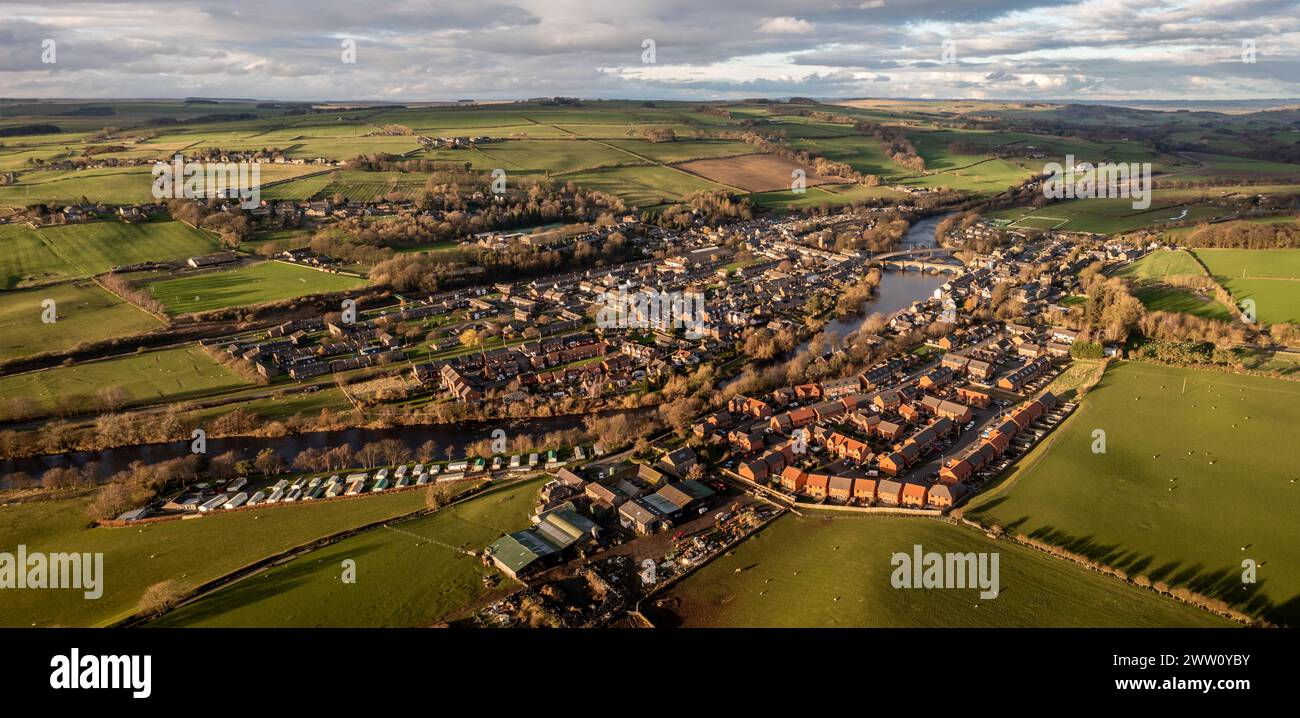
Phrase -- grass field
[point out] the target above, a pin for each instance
(1269, 277)
(1165, 298)
(96, 247)
(1109, 216)
(85, 313)
(814, 571)
(178, 373)
(644, 186)
(408, 575)
(247, 285)
(25, 259)
(1162, 263)
(189, 552)
(1190, 484)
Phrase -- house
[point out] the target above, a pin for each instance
(889, 492)
(864, 490)
(793, 479)
(840, 488)
(755, 470)
(945, 495)
(956, 472)
(817, 485)
(827, 410)
(909, 412)
(893, 463)
(914, 495)
(889, 430)
(679, 461)
(973, 397)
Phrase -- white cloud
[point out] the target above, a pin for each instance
(785, 26)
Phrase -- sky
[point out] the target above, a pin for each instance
(416, 50)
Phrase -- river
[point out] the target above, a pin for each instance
(457, 436)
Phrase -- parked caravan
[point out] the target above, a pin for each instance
(311, 485)
(299, 483)
(282, 484)
(381, 475)
(356, 487)
(293, 495)
(275, 496)
(257, 498)
(400, 473)
(237, 500)
(237, 484)
(214, 503)
(421, 479)
(532, 460)
(515, 461)
(380, 485)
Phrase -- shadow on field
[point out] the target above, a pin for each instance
(1223, 584)
(262, 586)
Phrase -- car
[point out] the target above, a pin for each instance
(679, 535)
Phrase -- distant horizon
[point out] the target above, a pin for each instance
(1117, 102)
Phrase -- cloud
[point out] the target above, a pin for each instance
(504, 49)
(785, 25)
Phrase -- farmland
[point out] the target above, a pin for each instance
(408, 574)
(84, 249)
(1191, 482)
(1268, 277)
(1109, 216)
(86, 313)
(178, 373)
(817, 571)
(753, 173)
(247, 285)
(188, 552)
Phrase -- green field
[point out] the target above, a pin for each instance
(178, 373)
(85, 313)
(1164, 298)
(247, 285)
(1195, 478)
(96, 247)
(25, 259)
(189, 552)
(408, 575)
(816, 571)
(1252, 263)
(1108, 216)
(643, 186)
(1269, 277)
(1162, 263)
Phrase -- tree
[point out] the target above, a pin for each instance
(427, 451)
(268, 461)
(160, 598)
